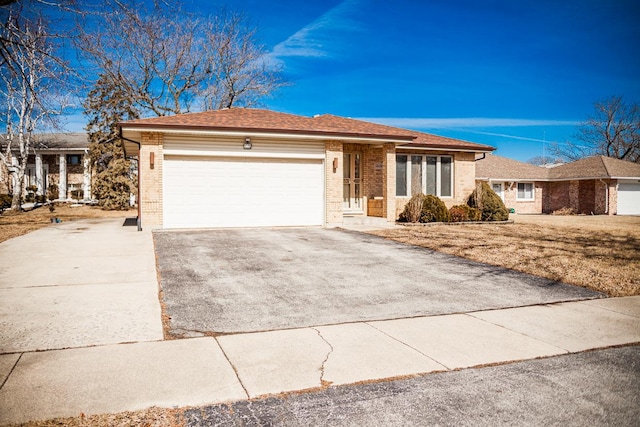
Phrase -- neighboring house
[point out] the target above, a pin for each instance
(57, 158)
(248, 167)
(593, 185)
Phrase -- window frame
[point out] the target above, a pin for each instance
(438, 178)
(533, 191)
(501, 194)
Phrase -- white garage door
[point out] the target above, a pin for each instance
(200, 192)
(628, 198)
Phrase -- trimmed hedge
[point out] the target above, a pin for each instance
(434, 210)
(489, 203)
(421, 208)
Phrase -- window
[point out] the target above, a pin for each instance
(424, 174)
(401, 175)
(525, 191)
(497, 188)
(73, 159)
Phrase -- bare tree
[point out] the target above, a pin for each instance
(543, 160)
(31, 90)
(169, 62)
(613, 131)
(236, 70)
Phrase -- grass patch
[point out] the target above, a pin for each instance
(14, 224)
(596, 252)
(152, 417)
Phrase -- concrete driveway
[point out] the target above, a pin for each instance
(244, 280)
(78, 283)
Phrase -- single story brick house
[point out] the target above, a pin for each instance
(56, 158)
(243, 167)
(593, 185)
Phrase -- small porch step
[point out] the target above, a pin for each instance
(364, 220)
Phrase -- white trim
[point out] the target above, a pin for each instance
(218, 153)
(423, 165)
(501, 184)
(254, 134)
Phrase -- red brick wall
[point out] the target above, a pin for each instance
(558, 196)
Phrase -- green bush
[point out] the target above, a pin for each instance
(488, 202)
(463, 213)
(434, 210)
(421, 208)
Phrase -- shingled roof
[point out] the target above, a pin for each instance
(501, 168)
(57, 141)
(597, 167)
(259, 120)
(436, 141)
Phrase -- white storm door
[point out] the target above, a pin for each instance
(352, 183)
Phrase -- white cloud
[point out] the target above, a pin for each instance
(465, 122)
(322, 37)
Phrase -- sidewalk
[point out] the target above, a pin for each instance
(200, 371)
(109, 356)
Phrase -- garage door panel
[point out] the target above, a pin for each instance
(629, 198)
(215, 192)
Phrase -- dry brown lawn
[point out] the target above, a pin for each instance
(152, 417)
(14, 224)
(597, 252)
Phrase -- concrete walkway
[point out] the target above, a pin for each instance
(104, 350)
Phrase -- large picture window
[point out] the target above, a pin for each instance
(525, 191)
(424, 174)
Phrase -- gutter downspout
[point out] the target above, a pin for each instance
(139, 219)
(606, 196)
(484, 155)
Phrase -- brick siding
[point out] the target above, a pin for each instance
(333, 183)
(151, 179)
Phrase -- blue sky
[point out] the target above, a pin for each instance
(508, 73)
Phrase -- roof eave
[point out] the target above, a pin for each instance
(234, 131)
(481, 149)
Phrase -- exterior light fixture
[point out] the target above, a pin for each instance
(247, 143)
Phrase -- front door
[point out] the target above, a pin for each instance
(498, 189)
(352, 183)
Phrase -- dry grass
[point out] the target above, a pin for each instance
(152, 417)
(14, 224)
(597, 252)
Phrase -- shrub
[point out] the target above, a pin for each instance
(421, 208)
(52, 192)
(5, 201)
(413, 209)
(488, 202)
(564, 211)
(462, 213)
(434, 210)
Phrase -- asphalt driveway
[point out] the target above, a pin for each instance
(246, 280)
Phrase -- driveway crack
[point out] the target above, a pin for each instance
(324, 382)
(11, 371)
(235, 370)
